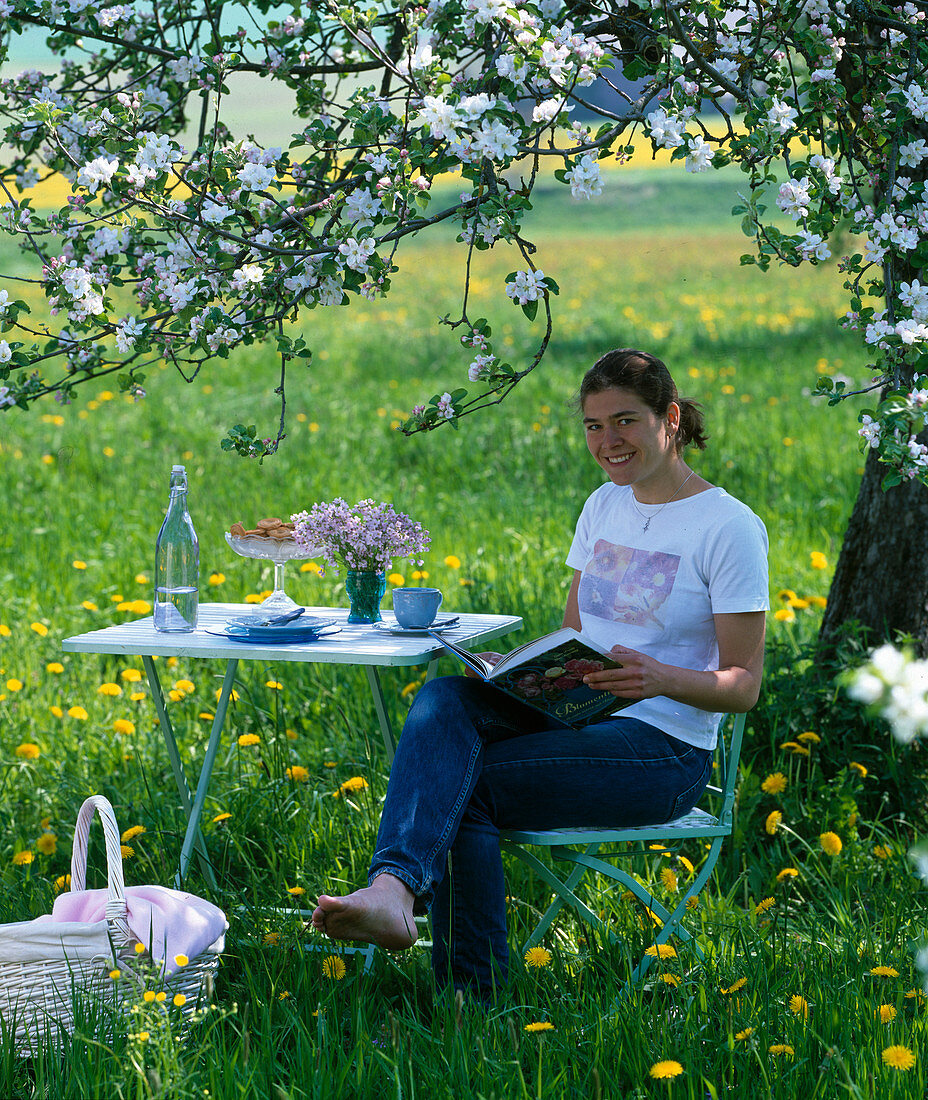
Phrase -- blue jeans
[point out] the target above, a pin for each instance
(471, 762)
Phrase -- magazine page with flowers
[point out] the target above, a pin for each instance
(547, 674)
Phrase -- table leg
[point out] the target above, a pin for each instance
(206, 771)
(386, 727)
(167, 731)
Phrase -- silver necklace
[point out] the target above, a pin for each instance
(647, 519)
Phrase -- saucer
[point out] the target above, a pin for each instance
(418, 631)
(278, 637)
(256, 627)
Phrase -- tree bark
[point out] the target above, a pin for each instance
(881, 579)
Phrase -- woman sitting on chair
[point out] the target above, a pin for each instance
(670, 574)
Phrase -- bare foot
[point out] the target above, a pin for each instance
(380, 913)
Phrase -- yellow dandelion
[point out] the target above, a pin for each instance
(355, 783)
(274, 685)
(114, 974)
(882, 851)
(774, 784)
(54, 667)
(127, 851)
(124, 726)
(539, 1025)
(785, 615)
(78, 712)
(898, 1057)
(132, 833)
(687, 864)
(773, 822)
(186, 686)
(661, 951)
(89, 605)
(665, 1070)
(763, 905)
(248, 739)
(818, 560)
(742, 1035)
(137, 696)
(818, 601)
(47, 844)
(296, 891)
(312, 567)
(130, 675)
(886, 1014)
(40, 628)
(831, 844)
(297, 773)
(220, 818)
(809, 737)
(537, 957)
(181, 961)
(409, 689)
(397, 580)
(141, 578)
(799, 1006)
(5, 631)
(161, 996)
(144, 1036)
(179, 1000)
(693, 902)
(669, 880)
(333, 966)
(272, 939)
(739, 983)
(62, 882)
(14, 685)
(148, 996)
(781, 1048)
(22, 859)
(233, 695)
(787, 872)
(28, 751)
(216, 579)
(140, 949)
(420, 574)
(453, 562)
(109, 689)
(670, 979)
(56, 711)
(859, 768)
(884, 972)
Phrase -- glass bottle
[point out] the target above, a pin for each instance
(177, 563)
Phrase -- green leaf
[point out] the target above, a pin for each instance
(530, 309)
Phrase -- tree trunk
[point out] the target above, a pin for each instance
(881, 579)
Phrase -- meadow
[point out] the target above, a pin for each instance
(810, 988)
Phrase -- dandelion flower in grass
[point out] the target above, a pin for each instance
(219, 819)
(5, 631)
(140, 949)
(859, 768)
(809, 737)
(773, 822)
(537, 957)
(785, 615)
(130, 675)
(132, 833)
(148, 996)
(21, 859)
(333, 966)
(831, 844)
(14, 685)
(693, 902)
(886, 1014)
(124, 726)
(787, 872)
(453, 562)
(763, 905)
(89, 605)
(114, 974)
(28, 751)
(297, 773)
(248, 739)
(884, 972)
(181, 960)
(272, 939)
(661, 951)
(47, 844)
(882, 851)
(314, 567)
(78, 712)
(898, 1057)
(539, 1025)
(669, 880)
(350, 786)
(62, 882)
(687, 864)
(742, 1035)
(296, 891)
(40, 628)
(161, 996)
(126, 851)
(57, 712)
(670, 979)
(143, 1036)
(54, 667)
(186, 686)
(774, 784)
(818, 560)
(739, 983)
(137, 696)
(799, 1006)
(274, 685)
(141, 578)
(665, 1070)
(420, 574)
(233, 695)
(216, 579)
(179, 1000)
(781, 1049)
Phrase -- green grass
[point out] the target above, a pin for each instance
(502, 494)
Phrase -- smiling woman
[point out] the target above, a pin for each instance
(687, 588)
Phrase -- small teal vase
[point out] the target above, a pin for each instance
(365, 591)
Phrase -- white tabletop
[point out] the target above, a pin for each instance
(353, 645)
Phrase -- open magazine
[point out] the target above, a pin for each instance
(547, 674)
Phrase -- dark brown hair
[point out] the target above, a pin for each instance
(646, 376)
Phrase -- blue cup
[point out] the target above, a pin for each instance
(416, 608)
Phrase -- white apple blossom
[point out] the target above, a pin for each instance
(127, 331)
(793, 198)
(5, 353)
(699, 157)
(812, 247)
(255, 177)
(917, 101)
(585, 178)
(666, 130)
(781, 116)
(911, 332)
(548, 109)
(98, 171)
(357, 252)
(527, 286)
(912, 154)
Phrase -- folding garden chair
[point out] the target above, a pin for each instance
(698, 824)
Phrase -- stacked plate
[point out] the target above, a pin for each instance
(252, 628)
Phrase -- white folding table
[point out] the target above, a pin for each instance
(364, 645)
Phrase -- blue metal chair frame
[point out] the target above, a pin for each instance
(698, 824)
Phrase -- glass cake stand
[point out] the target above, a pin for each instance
(279, 551)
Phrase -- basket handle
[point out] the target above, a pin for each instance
(116, 908)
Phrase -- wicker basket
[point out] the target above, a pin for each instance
(51, 971)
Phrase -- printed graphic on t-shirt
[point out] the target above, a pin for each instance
(623, 585)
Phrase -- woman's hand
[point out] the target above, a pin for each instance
(490, 658)
(639, 677)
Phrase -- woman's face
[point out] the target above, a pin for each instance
(631, 442)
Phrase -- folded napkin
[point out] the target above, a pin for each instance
(169, 922)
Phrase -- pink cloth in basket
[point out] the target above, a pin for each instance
(169, 922)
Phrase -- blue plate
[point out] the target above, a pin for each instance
(279, 637)
(256, 627)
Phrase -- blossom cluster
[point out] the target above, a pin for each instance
(363, 536)
(895, 685)
(214, 247)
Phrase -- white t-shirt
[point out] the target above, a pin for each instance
(656, 591)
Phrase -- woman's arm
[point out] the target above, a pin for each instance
(734, 686)
(572, 610)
